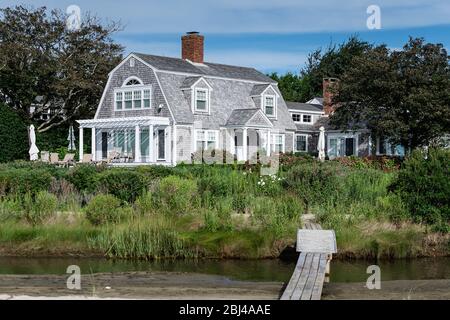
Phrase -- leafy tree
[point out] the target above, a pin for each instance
(42, 61)
(13, 146)
(332, 62)
(402, 95)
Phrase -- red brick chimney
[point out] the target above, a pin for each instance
(192, 47)
(329, 85)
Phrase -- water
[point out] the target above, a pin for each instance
(249, 270)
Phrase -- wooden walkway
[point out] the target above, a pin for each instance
(307, 280)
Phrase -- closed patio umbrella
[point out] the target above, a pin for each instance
(71, 139)
(34, 151)
(321, 144)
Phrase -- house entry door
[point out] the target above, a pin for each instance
(349, 147)
(161, 144)
(104, 145)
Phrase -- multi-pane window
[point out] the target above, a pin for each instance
(137, 99)
(119, 100)
(307, 118)
(201, 100)
(146, 98)
(206, 139)
(296, 117)
(277, 143)
(301, 143)
(128, 99)
(269, 105)
(133, 99)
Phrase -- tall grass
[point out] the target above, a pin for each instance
(142, 239)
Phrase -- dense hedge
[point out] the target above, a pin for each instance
(424, 184)
(13, 135)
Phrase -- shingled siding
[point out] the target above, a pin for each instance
(144, 73)
(184, 144)
(289, 142)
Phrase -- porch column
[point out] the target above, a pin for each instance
(244, 143)
(150, 143)
(174, 156)
(81, 145)
(93, 144)
(137, 144)
(268, 143)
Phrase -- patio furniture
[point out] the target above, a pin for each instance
(45, 156)
(68, 159)
(54, 158)
(87, 158)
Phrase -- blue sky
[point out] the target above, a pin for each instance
(267, 35)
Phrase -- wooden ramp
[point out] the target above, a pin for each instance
(316, 247)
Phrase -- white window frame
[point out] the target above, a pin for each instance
(133, 89)
(273, 139)
(263, 105)
(307, 115)
(195, 96)
(206, 135)
(306, 142)
(296, 114)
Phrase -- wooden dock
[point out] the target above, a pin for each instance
(316, 247)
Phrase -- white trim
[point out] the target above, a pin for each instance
(194, 95)
(206, 132)
(174, 149)
(269, 85)
(305, 111)
(133, 89)
(134, 85)
(295, 142)
(266, 118)
(283, 141)
(275, 105)
(196, 82)
(123, 122)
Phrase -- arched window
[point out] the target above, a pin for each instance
(133, 82)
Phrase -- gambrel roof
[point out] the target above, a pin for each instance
(206, 68)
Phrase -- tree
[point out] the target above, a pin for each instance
(332, 62)
(14, 146)
(401, 95)
(42, 61)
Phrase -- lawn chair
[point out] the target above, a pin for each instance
(113, 156)
(45, 156)
(87, 158)
(68, 159)
(54, 158)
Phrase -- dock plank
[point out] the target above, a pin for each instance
(318, 285)
(309, 285)
(303, 278)
(294, 278)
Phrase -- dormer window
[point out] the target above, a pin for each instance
(296, 117)
(201, 100)
(269, 105)
(307, 118)
(133, 95)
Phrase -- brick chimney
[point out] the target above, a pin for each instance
(192, 47)
(329, 85)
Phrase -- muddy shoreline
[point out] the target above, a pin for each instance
(174, 285)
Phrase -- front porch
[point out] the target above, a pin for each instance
(129, 141)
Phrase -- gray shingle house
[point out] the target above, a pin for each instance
(310, 116)
(161, 110)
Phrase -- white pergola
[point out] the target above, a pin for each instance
(120, 123)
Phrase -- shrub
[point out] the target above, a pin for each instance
(124, 184)
(103, 208)
(13, 135)
(40, 207)
(144, 203)
(23, 181)
(84, 177)
(10, 209)
(177, 193)
(314, 182)
(424, 184)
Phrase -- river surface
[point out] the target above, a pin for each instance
(246, 270)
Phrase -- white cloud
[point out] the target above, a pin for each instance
(235, 16)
